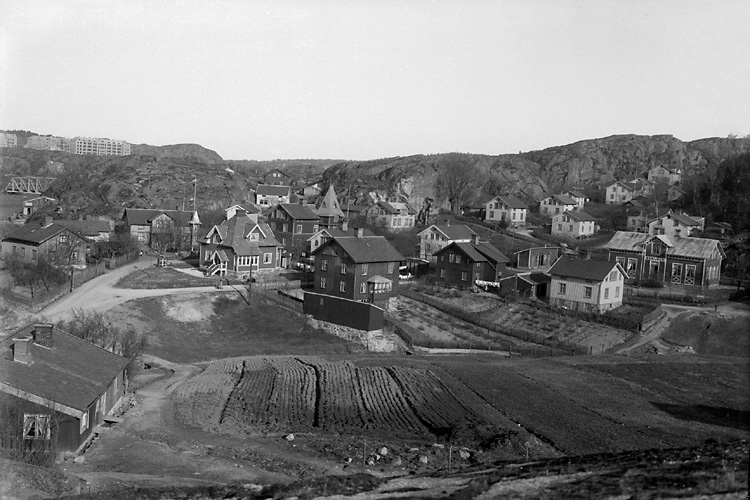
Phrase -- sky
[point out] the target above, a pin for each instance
(356, 79)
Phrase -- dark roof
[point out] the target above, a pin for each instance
(588, 269)
(36, 232)
(365, 250)
(701, 248)
(564, 199)
(272, 190)
(234, 233)
(144, 216)
(579, 215)
(89, 228)
(512, 202)
(299, 212)
(337, 232)
(576, 193)
(683, 219)
(72, 373)
(453, 231)
(478, 252)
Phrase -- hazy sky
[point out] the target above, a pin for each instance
(368, 79)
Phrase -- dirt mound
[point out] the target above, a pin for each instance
(188, 310)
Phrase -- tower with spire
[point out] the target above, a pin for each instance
(329, 211)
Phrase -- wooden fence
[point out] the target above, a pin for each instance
(121, 260)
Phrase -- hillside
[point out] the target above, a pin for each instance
(156, 175)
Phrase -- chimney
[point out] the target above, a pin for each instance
(43, 334)
(360, 232)
(22, 350)
(475, 239)
(344, 225)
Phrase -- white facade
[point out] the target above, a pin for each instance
(588, 295)
(498, 209)
(8, 140)
(675, 225)
(672, 176)
(552, 206)
(98, 146)
(618, 193)
(48, 142)
(569, 226)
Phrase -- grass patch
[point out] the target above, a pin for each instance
(710, 333)
(165, 277)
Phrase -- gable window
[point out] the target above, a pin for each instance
(343, 268)
(323, 283)
(561, 289)
(253, 236)
(36, 426)
(364, 269)
(587, 292)
(324, 265)
(342, 286)
(391, 266)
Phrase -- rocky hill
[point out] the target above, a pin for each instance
(158, 175)
(590, 164)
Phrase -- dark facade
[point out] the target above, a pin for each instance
(293, 225)
(461, 264)
(346, 312)
(539, 257)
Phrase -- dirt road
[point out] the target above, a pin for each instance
(100, 294)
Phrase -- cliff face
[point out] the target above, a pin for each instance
(177, 150)
(589, 164)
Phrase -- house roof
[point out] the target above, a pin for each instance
(511, 202)
(579, 215)
(683, 219)
(451, 231)
(36, 232)
(272, 190)
(538, 248)
(144, 216)
(575, 193)
(678, 247)
(478, 252)
(234, 233)
(72, 373)
(90, 228)
(395, 207)
(299, 212)
(588, 269)
(563, 199)
(355, 209)
(365, 250)
(337, 232)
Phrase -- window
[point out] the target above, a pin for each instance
(442, 273)
(613, 276)
(299, 228)
(570, 227)
(451, 257)
(342, 286)
(343, 268)
(324, 265)
(492, 214)
(559, 227)
(364, 269)
(477, 276)
(464, 276)
(285, 228)
(617, 292)
(587, 292)
(458, 259)
(363, 287)
(690, 274)
(562, 288)
(267, 258)
(606, 293)
(323, 283)
(315, 228)
(36, 426)
(391, 266)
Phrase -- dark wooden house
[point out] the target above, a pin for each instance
(464, 263)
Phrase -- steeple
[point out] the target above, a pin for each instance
(329, 207)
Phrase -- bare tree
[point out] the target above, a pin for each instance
(456, 181)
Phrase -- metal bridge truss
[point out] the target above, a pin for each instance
(30, 185)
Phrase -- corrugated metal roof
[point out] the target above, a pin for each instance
(678, 247)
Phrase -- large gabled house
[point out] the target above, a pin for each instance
(278, 178)
(55, 242)
(327, 233)
(394, 215)
(293, 225)
(586, 285)
(92, 229)
(361, 268)
(240, 247)
(573, 224)
(679, 261)
(268, 195)
(506, 208)
(579, 196)
(622, 191)
(671, 175)
(464, 263)
(438, 236)
(675, 224)
(177, 229)
(64, 385)
(557, 204)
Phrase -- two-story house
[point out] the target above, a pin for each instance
(394, 215)
(360, 268)
(176, 229)
(679, 261)
(240, 247)
(674, 224)
(537, 257)
(58, 244)
(269, 195)
(63, 385)
(329, 211)
(622, 191)
(671, 175)
(573, 224)
(586, 285)
(438, 236)
(463, 264)
(556, 204)
(506, 208)
(579, 196)
(278, 178)
(293, 225)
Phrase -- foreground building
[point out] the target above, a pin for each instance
(462, 264)
(438, 236)
(586, 285)
(55, 242)
(679, 261)
(65, 385)
(176, 229)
